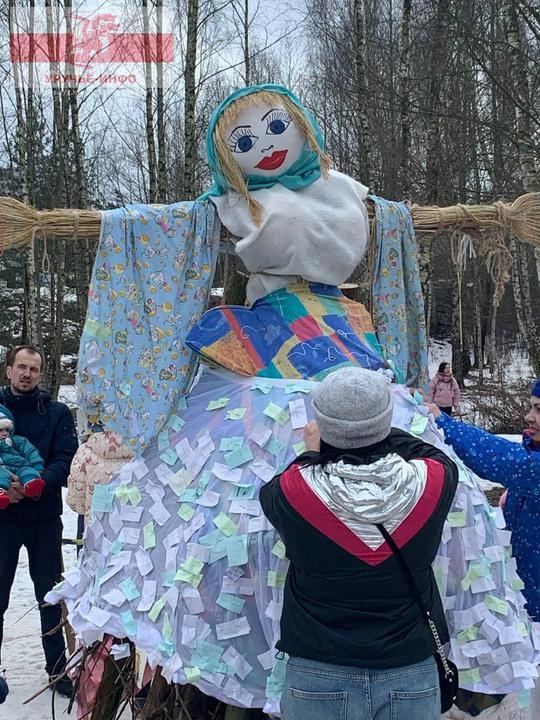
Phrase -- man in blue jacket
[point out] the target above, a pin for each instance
(517, 467)
(35, 523)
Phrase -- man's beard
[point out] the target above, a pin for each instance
(24, 391)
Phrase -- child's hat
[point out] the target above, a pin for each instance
(6, 419)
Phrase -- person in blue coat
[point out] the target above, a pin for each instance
(20, 458)
(517, 467)
(4, 689)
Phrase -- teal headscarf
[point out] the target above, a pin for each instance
(303, 172)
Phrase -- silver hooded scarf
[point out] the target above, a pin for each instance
(361, 496)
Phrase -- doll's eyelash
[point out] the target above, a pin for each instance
(278, 115)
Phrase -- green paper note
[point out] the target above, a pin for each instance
(231, 602)
(217, 404)
(465, 636)
(192, 565)
(156, 608)
(186, 512)
(167, 628)
(263, 385)
(279, 550)
(134, 495)
(192, 578)
(163, 441)
(192, 674)
(469, 677)
(457, 519)
(275, 579)
(149, 536)
(122, 493)
(236, 413)
(419, 424)
(225, 524)
(496, 604)
(517, 584)
(297, 387)
(276, 413)
(299, 448)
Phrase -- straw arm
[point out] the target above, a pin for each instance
(20, 223)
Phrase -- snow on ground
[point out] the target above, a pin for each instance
(22, 653)
(68, 395)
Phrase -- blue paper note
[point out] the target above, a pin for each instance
(231, 602)
(274, 446)
(238, 457)
(129, 589)
(129, 623)
(102, 499)
(237, 553)
(228, 444)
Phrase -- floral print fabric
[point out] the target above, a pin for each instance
(151, 280)
(398, 303)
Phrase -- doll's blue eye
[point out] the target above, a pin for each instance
(277, 122)
(241, 140)
(244, 143)
(276, 127)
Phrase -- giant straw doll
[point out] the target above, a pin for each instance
(178, 557)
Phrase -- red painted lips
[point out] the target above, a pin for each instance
(273, 161)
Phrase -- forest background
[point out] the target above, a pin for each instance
(435, 101)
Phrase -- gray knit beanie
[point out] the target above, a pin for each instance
(353, 408)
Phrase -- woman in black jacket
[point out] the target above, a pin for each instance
(358, 644)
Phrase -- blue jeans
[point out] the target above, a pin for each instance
(318, 691)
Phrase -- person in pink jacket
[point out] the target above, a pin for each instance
(444, 390)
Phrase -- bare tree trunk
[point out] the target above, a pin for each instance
(365, 133)
(26, 152)
(190, 142)
(150, 141)
(247, 64)
(433, 141)
(530, 177)
(405, 99)
(160, 108)
(522, 109)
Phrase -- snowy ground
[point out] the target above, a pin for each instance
(22, 654)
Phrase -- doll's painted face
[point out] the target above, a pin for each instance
(264, 140)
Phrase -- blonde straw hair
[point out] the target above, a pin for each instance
(226, 162)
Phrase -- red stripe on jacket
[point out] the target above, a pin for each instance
(309, 506)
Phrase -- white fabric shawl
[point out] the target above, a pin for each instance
(318, 233)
